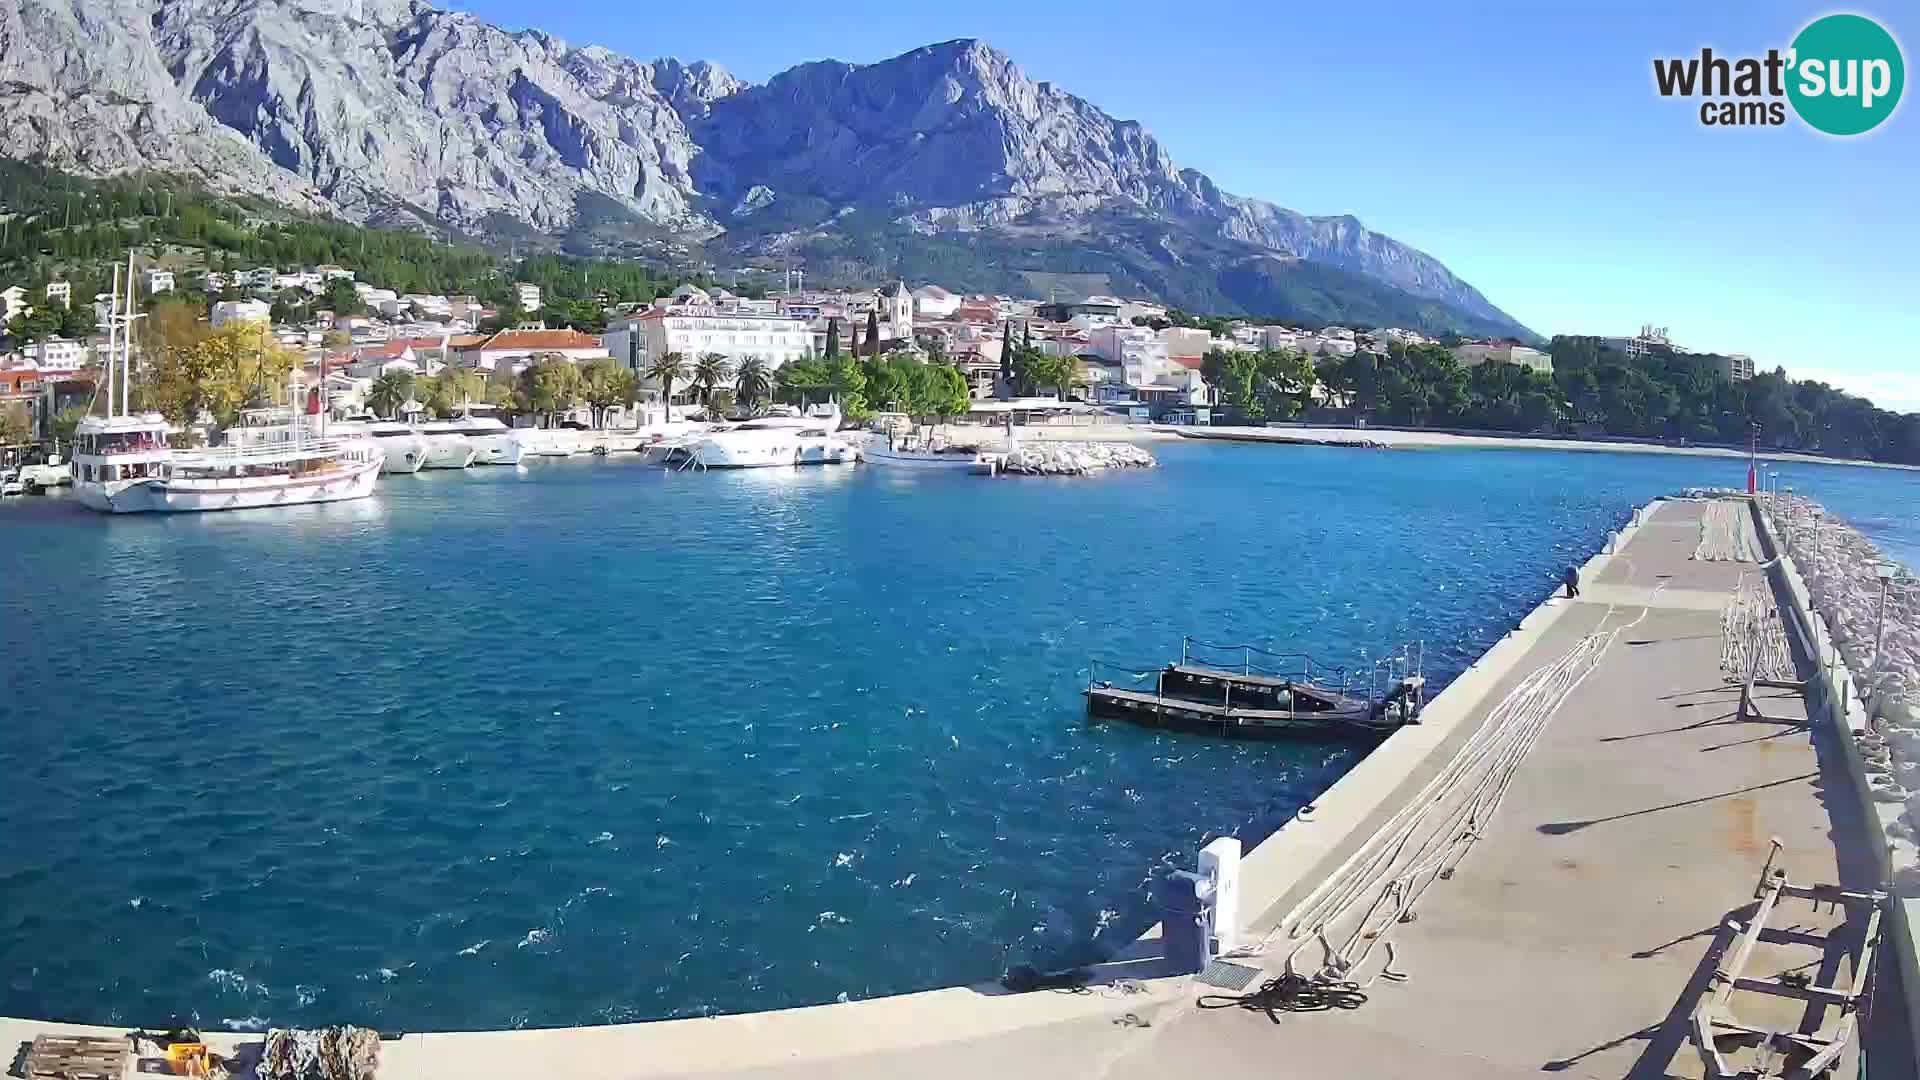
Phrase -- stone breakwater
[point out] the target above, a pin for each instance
(1073, 458)
(1842, 571)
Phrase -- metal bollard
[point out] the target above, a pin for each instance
(1186, 905)
(1220, 864)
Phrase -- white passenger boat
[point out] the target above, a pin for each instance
(123, 465)
(917, 452)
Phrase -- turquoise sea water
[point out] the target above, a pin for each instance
(592, 742)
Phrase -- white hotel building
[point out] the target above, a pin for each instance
(697, 327)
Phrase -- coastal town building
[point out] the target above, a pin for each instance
(516, 348)
(1650, 340)
(13, 303)
(1094, 310)
(56, 355)
(1185, 341)
(934, 302)
(527, 296)
(896, 310)
(691, 328)
(1506, 351)
(60, 292)
(227, 311)
(1141, 309)
(373, 296)
(157, 281)
(1324, 344)
(1736, 367)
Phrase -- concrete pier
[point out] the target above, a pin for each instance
(1580, 930)
(1574, 939)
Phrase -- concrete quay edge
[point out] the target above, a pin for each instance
(1300, 850)
(1833, 697)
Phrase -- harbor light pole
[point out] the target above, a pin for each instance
(1885, 572)
(1816, 542)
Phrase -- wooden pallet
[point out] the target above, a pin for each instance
(77, 1057)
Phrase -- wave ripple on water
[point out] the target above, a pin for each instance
(690, 743)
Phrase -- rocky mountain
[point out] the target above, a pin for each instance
(389, 110)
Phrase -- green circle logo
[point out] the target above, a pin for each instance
(1845, 74)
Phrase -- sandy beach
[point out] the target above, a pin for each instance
(1421, 440)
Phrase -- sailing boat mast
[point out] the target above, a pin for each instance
(126, 347)
(113, 348)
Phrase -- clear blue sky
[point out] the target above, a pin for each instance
(1524, 147)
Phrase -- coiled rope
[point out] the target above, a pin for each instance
(1289, 993)
(1726, 533)
(1753, 639)
(1379, 887)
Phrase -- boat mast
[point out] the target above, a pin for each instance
(126, 347)
(113, 348)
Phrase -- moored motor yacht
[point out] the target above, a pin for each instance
(494, 443)
(765, 442)
(404, 450)
(446, 448)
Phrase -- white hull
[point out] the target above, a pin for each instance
(46, 476)
(827, 451)
(496, 449)
(402, 455)
(764, 452)
(448, 452)
(228, 493)
(918, 459)
(759, 454)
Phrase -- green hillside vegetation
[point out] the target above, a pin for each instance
(1670, 396)
(59, 227)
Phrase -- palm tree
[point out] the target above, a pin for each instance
(753, 382)
(711, 370)
(666, 369)
(390, 391)
(626, 387)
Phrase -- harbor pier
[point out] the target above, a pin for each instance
(1597, 907)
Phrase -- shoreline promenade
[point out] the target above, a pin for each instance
(1573, 939)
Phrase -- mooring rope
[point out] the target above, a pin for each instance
(1380, 885)
(1753, 639)
(1727, 534)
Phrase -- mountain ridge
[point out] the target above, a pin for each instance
(396, 112)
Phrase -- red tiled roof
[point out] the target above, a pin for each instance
(1192, 362)
(392, 350)
(541, 339)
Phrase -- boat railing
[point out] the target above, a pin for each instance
(1130, 676)
(1390, 671)
(243, 453)
(1254, 660)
